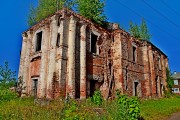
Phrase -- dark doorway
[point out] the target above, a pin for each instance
(77, 88)
(77, 64)
(136, 88)
(35, 86)
(94, 85)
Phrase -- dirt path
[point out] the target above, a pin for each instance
(175, 116)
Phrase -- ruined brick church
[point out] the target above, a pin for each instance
(67, 54)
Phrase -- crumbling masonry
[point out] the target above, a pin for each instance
(69, 54)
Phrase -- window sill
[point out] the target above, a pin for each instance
(94, 55)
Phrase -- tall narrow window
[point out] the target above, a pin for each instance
(38, 41)
(126, 78)
(93, 43)
(157, 78)
(59, 20)
(159, 62)
(58, 40)
(134, 54)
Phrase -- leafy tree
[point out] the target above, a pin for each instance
(92, 9)
(46, 8)
(32, 16)
(134, 30)
(7, 76)
(144, 34)
(169, 79)
(140, 32)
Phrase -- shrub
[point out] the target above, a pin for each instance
(116, 111)
(7, 95)
(70, 111)
(97, 98)
(167, 93)
(1, 117)
(134, 108)
(7, 80)
(130, 107)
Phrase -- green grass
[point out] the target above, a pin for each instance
(25, 109)
(159, 109)
(21, 109)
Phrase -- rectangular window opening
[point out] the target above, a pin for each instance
(134, 54)
(175, 82)
(176, 90)
(159, 60)
(38, 41)
(94, 43)
(58, 40)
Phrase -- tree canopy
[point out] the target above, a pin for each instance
(46, 8)
(7, 76)
(92, 9)
(169, 79)
(141, 31)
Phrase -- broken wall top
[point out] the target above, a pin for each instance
(62, 14)
(138, 41)
(68, 13)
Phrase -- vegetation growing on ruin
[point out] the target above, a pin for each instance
(46, 8)
(140, 31)
(122, 108)
(91, 9)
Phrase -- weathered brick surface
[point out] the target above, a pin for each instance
(148, 64)
(121, 62)
(35, 67)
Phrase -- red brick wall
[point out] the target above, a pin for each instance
(132, 70)
(35, 68)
